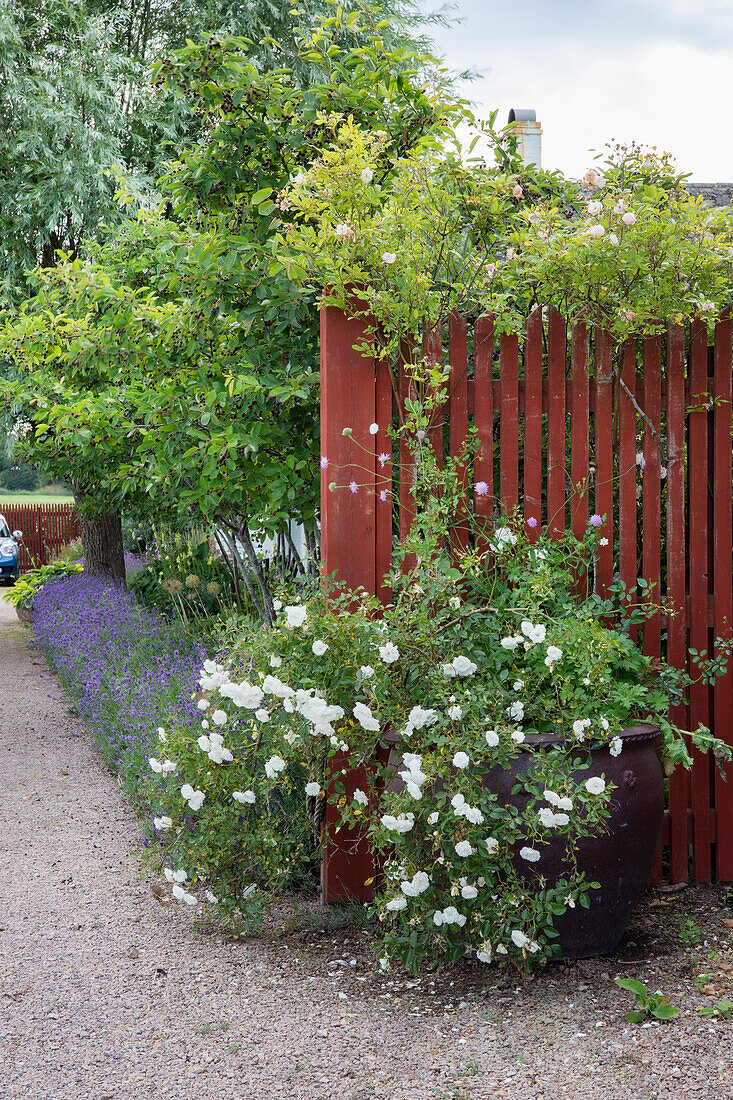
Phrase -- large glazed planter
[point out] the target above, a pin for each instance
(620, 859)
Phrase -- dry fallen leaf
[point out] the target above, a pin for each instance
(709, 990)
(727, 923)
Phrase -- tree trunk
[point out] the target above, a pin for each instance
(101, 538)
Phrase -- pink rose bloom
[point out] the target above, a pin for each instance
(517, 191)
(628, 218)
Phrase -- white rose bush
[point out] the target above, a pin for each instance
(428, 697)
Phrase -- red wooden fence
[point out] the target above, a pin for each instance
(560, 419)
(46, 528)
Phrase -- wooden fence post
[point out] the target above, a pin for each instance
(350, 526)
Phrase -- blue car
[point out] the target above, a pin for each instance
(9, 553)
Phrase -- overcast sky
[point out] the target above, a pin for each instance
(654, 71)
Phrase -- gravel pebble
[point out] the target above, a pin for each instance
(107, 993)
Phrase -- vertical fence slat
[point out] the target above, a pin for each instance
(406, 460)
(433, 352)
(603, 453)
(458, 421)
(723, 585)
(698, 557)
(483, 415)
(579, 428)
(679, 783)
(556, 372)
(509, 432)
(46, 529)
(627, 472)
(533, 423)
(383, 480)
(651, 487)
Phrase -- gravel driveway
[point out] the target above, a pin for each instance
(106, 992)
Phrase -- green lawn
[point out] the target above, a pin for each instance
(6, 497)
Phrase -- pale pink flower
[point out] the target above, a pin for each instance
(592, 178)
(595, 520)
(596, 230)
(324, 462)
(383, 459)
(629, 218)
(481, 488)
(531, 522)
(343, 230)
(517, 191)
(382, 495)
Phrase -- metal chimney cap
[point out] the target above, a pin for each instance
(522, 114)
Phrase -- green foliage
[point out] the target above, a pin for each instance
(689, 932)
(651, 1005)
(186, 577)
(722, 1010)
(26, 586)
(630, 249)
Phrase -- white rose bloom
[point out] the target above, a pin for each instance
(455, 713)
(516, 711)
(275, 662)
(501, 949)
(396, 904)
(360, 797)
(551, 797)
(203, 743)
(518, 685)
(491, 844)
(274, 765)
(367, 671)
(243, 796)
(296, 615)
(365, 718)
(474, 815)
(211, 898)
(389, 653)
(219, 718)
(272, 685)
(530, 854)
(412, 788)
(580, 725)
(503, 536)
(594, 208)
(168, 767)
(243, 695)
(546, 816)
(277, 604)
(463, 848)
(469, 892)
(367, 175)
(511, 643)
(461, 760)
(564, 803)
(313, 789)
(262, 715)
(596, 785)
(319, 648)
(196, 801)
(492, 738)
(455, 603)
(485, 954)
(450, 915)
(534, 632)
(615, 746)
(416, 886)
(519, 938)
(553, 655)
(561, 819)
(389, 257)
(155, 765)
(401, 824)
(433, 818)
(202, 704)
(162, 822)
(458, 802)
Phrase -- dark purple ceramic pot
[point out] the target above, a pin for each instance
(621, 858)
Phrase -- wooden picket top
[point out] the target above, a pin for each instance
(567, 425)
(46, 528)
